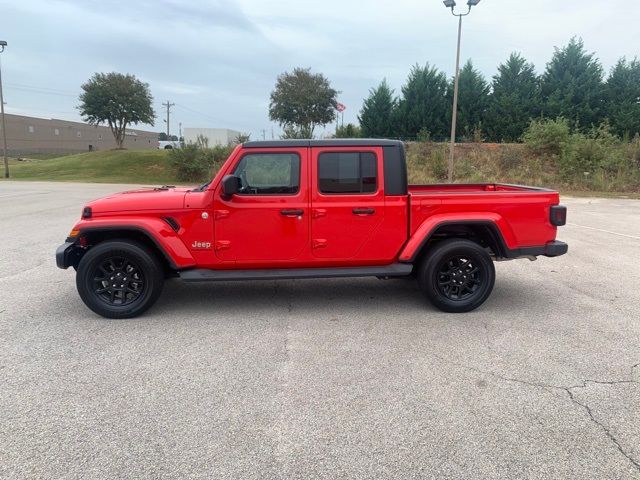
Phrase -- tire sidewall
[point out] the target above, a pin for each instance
(146, 261)
(429, 272)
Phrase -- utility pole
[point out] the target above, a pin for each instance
(264, 134)
(454, 113)
(168, 105)
(180, 130)
(4, 126)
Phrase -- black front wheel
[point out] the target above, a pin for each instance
(457, 275)
(119, 279)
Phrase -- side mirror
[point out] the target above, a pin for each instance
(230, 185)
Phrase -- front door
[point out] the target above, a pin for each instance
(268, 220)
(347, 200)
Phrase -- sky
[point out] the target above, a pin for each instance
(218, 60)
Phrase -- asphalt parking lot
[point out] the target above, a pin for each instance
(349, 378)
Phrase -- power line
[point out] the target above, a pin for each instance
(199, 113)
(43, 91)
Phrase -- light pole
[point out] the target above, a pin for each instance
(454, 113)
(4, 128)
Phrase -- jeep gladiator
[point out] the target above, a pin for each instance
(308, 209)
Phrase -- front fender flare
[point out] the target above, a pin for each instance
(155, 229)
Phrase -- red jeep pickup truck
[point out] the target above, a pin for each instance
(307, 209)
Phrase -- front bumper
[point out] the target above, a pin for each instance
(68, 254)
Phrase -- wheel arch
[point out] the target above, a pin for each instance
(484, 232)
(98, 235)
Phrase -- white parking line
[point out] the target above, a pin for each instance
(605, 231)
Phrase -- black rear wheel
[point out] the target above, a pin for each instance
(457, 275)
(119, 279)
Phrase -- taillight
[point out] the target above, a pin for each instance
(558, 215)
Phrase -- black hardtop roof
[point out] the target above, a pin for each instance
(332, 142)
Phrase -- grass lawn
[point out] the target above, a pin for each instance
(110, 166)
(427, 164)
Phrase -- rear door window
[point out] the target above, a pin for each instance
(347, 172)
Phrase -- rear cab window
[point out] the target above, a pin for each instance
(342, 173)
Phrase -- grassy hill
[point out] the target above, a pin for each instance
(427, 162)
(111, 166)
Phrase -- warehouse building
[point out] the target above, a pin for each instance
(215, 136)
(27, 135)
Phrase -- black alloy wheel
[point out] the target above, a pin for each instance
(119, 278)
(457, 275)
(118, 281)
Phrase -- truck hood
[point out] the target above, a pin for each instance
(141, 200)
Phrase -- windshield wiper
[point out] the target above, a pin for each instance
(201, 187)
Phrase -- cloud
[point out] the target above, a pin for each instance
(219, 59)
(180, 88)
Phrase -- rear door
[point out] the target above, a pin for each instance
(268, 220)
(347, 200)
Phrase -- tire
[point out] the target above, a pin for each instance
(457, 275)
(135, 271)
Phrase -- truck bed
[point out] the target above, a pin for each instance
(473, 188)
(521, 212)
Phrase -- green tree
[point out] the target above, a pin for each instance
(424, 104)
(622, 95)
(301, 101)
(118, 100)
(348, 131)
(473, 100)
(377, 114)
(514, 100)
(572, 86)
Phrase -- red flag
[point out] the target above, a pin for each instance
(340, 107)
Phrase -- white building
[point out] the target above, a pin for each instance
(215, 136)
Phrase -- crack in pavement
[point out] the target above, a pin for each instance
(570, 394)
(601, 425)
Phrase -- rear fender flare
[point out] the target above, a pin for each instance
(425, 231)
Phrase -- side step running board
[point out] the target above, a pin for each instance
(207, 275)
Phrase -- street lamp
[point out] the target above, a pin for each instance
(454, 116)
(4, 128)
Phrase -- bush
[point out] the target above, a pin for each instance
(196, 163)
(599, 151)
(347, 131)
(547, 136)
(634, 152)
(438, 164)
(424, 135)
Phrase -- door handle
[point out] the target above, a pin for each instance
(291, 213)
(319, 213)
(363, 211)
